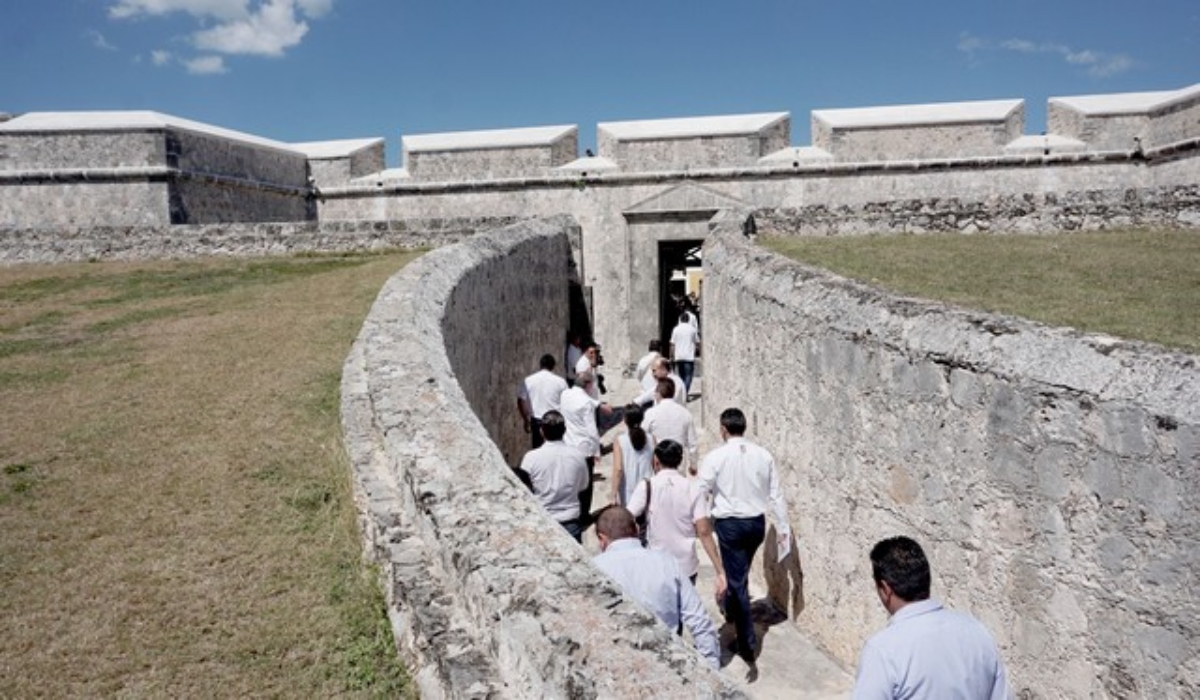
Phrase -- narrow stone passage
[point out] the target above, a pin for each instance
(789, 664)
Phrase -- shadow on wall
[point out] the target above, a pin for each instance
(785, 579)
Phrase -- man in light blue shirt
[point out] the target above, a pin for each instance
(653, 579)
(926, 651)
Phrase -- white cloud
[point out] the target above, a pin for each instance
(273, 28)
(206, 65)
(98, 40)
(219, 9)
(1098, 63)
(160, 58)
(235, 27)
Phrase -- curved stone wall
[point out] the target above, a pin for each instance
(488, 596)
(1051, 475)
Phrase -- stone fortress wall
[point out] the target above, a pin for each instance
(1050, 474)
(911, 169)
(488, 596)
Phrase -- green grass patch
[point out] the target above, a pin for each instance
(174, 496)
(1136, 284)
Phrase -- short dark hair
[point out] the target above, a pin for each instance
(901, 563)
(547, 362)
(616, 523)
(666, 388)
(669, 454)
(553, 426)
(733, 421)
(655, 345)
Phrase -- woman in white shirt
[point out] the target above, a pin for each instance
(633, 458)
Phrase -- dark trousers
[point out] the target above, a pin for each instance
(585, 496)
(535, 433)
(574, 528)
(686, 369)
(739, 539)
(606, 423)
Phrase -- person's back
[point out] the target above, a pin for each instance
(636, 465)
(933, 653)
(744, 475)
(558, 473)
(926, 652)
(653, 579)
(579, 411)
(675, 504)
(667, 420)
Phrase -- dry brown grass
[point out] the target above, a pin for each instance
(1138, 284)
(175, 517)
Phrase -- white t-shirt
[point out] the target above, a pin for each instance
(579, 413)
(676, 505)
(668, 420)
(742, 479)
(542, 391)
(558, 473)
(683, 341)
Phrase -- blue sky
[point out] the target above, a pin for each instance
(307, 70)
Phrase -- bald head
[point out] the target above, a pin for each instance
(616, 523)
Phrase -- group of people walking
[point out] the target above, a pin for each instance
(663, 500)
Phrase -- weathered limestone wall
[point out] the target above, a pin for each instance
(488, 597)
(1121, 122)
(994, 194)
(693, 143)
(33, 151)
(918, 132)
(1163, 207)
(146, 242)
(1052, 476)
(483, 164)
(205, 154)
(83, 203)
(330, 171)
(495, 154)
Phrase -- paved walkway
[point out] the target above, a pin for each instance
(789, 664)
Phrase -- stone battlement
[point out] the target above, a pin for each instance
(157, 169)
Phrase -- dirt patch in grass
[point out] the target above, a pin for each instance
(175, 513)
(1143, 285)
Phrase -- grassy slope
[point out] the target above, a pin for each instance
(1143, 285)
(175, 517)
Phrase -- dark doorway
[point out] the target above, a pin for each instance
(673, 257)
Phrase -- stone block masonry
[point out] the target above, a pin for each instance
(150, 242)
(488, 597)
(1051, 475)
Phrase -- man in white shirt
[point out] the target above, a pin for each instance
(742, 481)
(643, 365)
(677, 514)
(538, 393)
(685, 344)
(653, 579)
(558, 476)
(926, 651)
(659, 369)
(587, 363)
(579, 411)
(574, 352)
(667, 420)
